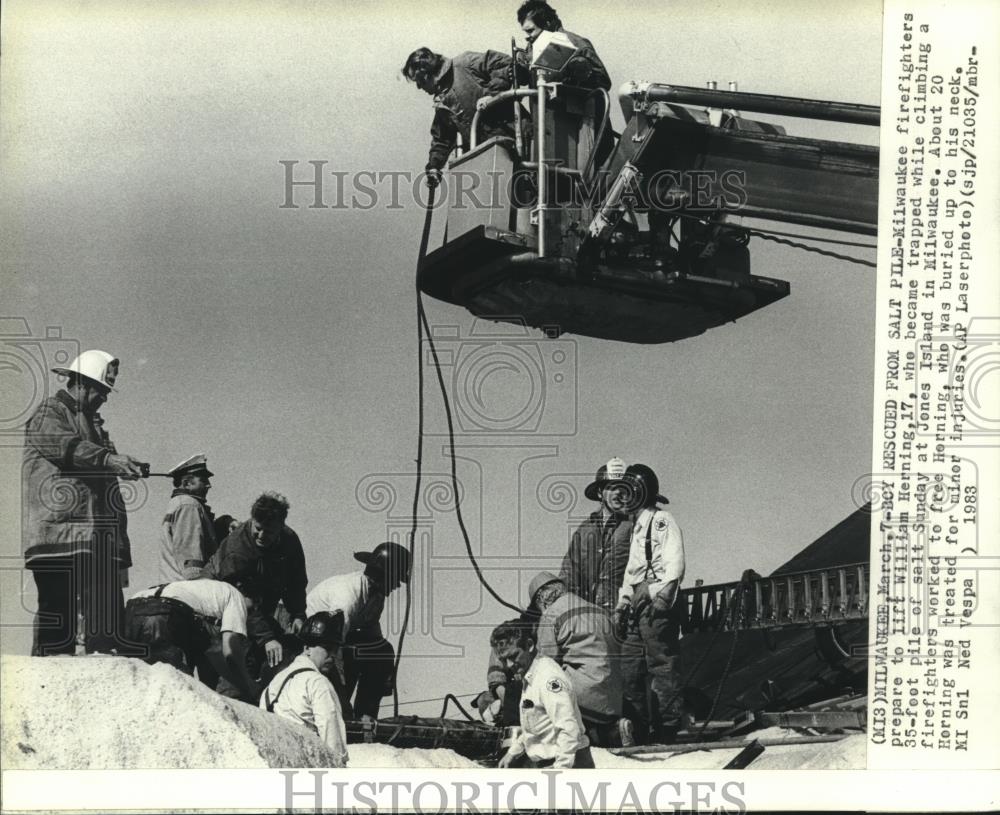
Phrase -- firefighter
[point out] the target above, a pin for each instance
(598, 551)
(552, 732)
(75, 530)
(187, 533)
(498, 704)
(366, 660)
(584, 70)
(645, 611)
(302, 693)
(580, 637)
(196, 624)
(456, 85)
(266, 550)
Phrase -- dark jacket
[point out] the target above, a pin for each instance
(70, 497)
(280, 570)
(595, 562)
(461, 82)
(585, 70)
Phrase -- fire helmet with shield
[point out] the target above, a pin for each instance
(644, 485)
(96, 366)
(388, 559)
(607, 476)
(323, 629)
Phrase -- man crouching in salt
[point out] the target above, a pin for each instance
(552, 732)
(302, 694)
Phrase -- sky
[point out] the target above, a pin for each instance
(141, 214)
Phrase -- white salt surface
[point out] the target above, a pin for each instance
(114, 713)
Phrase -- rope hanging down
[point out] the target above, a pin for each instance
(424, 238)
(424, 332)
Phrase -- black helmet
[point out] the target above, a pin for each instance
(389, 559)
(323, 628)
(645, 484)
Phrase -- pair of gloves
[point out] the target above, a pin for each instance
(661, 603)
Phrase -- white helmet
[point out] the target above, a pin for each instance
(98, 366)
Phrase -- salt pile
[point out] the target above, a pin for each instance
(113, 713)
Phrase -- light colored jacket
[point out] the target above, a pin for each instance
(309, 699)
(70, 498)
(551, 726)
(667, 553)
(187, 538)
(580, 637)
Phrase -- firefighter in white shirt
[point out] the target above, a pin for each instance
(196, 624)
(645, 619)
(366, 660)
(302, 694)
(552, 732)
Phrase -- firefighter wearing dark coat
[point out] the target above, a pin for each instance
(583, 70)
(268, 552)
(598, 551)
(187, 533)
(645, 612)
(457, 84)
(75, 533)
(366, 661)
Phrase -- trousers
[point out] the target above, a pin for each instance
(651, 670)
(363, 671)
(88, 583)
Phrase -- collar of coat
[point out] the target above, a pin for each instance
(73, 404)
(439, 78)
(181, 491)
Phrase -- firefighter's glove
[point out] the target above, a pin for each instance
(433, 177)
(622, 612)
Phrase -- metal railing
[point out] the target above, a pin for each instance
(801, 598)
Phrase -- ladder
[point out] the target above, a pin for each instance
(795, 599)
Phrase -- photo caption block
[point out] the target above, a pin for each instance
(935, 626)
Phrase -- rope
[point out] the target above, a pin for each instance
(806, 247)
(736, 613)
(452, 698)
(772, 235)
(424, 239)
(454, 460)
(438, 698)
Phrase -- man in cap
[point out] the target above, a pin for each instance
(367, 657)
(267, 550)
(302, 693)
(456, 85)
(645, 611)
(580, 637)
(552, 732)
(199, 624)
(187, 533)
(598, 551)
(75, 533)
